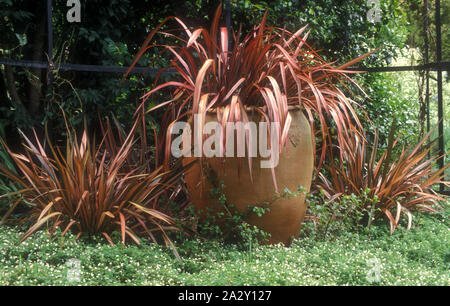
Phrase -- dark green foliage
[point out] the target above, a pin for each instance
(327, 219)
(382, 103)
(339, 28)
(111, 31)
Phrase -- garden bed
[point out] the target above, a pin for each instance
(419, 257)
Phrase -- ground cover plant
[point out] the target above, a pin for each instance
(419, 257)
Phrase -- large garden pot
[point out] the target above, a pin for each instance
(294, 169)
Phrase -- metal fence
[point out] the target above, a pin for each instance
(428, 66)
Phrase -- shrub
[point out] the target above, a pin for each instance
(338, 215)
(390, 94)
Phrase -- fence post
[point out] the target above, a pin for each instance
(439, 88)
(427, 60)
(50, 46)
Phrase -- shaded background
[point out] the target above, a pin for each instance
(111, 31)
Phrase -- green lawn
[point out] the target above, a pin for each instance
(420, 257)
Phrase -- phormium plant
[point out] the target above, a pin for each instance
(403, 184)
(95, 189)
(267, 71)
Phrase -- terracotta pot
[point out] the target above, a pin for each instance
(295, 168)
